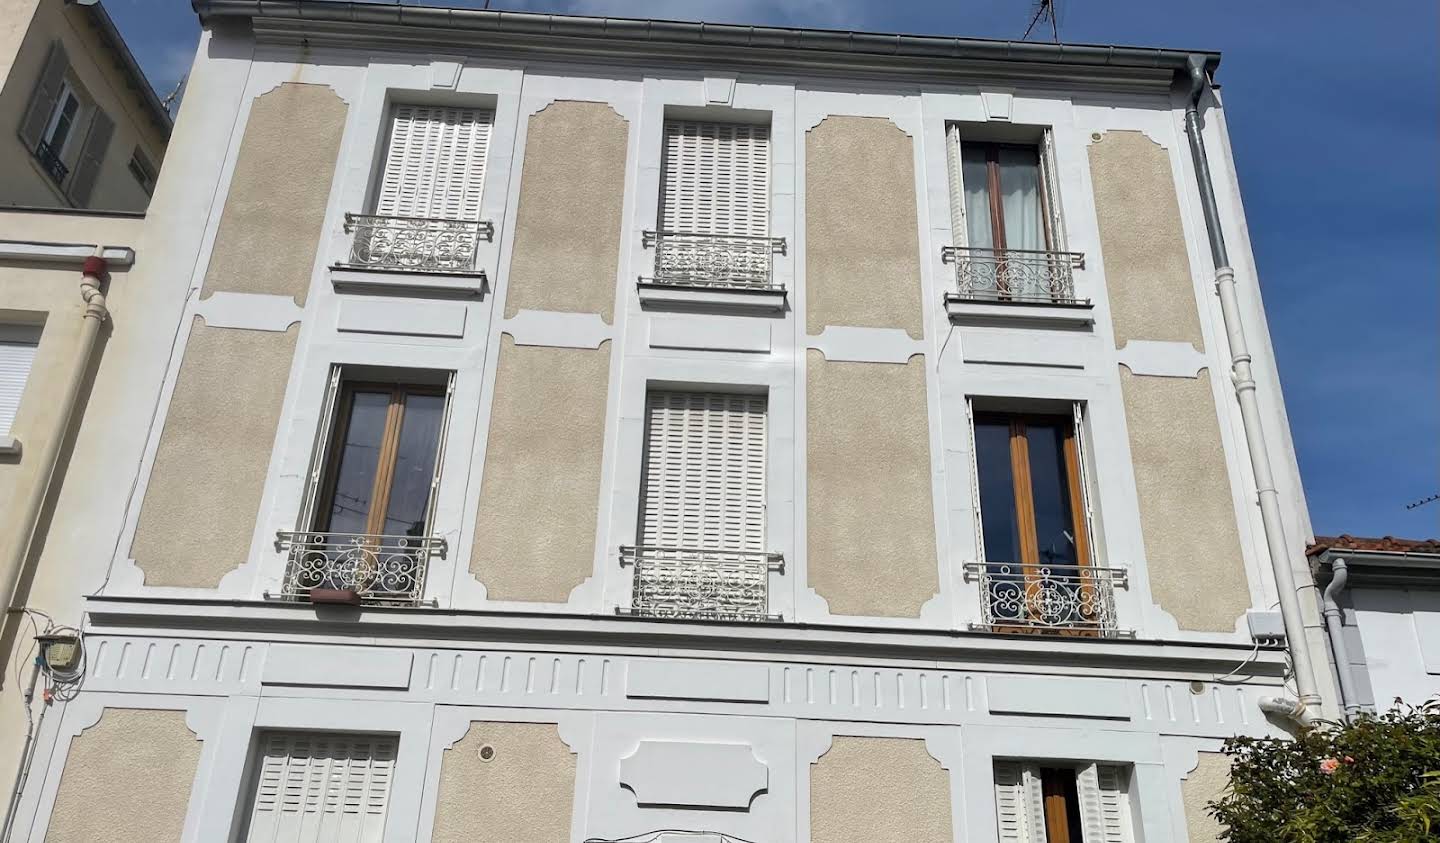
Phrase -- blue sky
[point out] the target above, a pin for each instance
(1334, 112)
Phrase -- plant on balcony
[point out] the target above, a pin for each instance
(1373, 780)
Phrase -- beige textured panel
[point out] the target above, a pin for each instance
(1204, 784)
(1147, 270)
(524, 792)
(871, 524)
(540, 494)
(862, 240)
(204, 492)
(880, 790)
(567, 228)
(1187, 514)
(275, 209)
(127, 778)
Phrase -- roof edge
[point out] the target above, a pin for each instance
(671, 33)
(111, 34)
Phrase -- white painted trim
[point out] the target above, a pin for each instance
(709, 300)
(73, 254)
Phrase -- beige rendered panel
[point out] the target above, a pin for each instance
(523, 791)
(204, 492)
(879, 790)
(871, 525)
(540, 493)
(567, 227)
(1187, 514)
(862, 237)
(275, 209)
(1205, 783)
(127, 779)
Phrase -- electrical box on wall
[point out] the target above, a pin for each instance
(1266, 627)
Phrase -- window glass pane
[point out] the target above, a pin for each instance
(1020, 199)
(1050, 486)
(359, 457)
(63, 122)
(414, 465)
(997, 492)
(974, 171)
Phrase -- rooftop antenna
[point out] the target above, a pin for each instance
(169, 101)
(1423, 501)
(1045, 11)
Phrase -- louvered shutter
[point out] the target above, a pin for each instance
(1104, 806)
(1019, 802)
(322, 788)
(716, 178)
(703, 481)
(955, 169)
(17, 355)
(42, 99)
(1077, 411)
(435, 163)
(1050, 183)
(319, 452)
(92, 154)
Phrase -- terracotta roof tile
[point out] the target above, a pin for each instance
(1384, 544)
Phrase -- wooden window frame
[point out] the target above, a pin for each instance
(997, 201)
(1024, 496)
(385, 460)
(1061, 805)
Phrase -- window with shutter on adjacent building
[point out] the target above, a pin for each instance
(703, 478)
(435, 162)
(320, 788)
(715, 178)
(1039, 803)
(17, 355)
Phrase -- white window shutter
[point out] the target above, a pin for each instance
(1050, 183)
(958, 232)
(17, 356)
(435, 163)
(1081, 458)
(1019, 802)
(319, 451)
(322, 788)
(1104, 806)
(716, 178)
(703, 480)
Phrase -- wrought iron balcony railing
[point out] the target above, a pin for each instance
(50, 160)
(1047, 599)
(729, 261)
(1016, 275)
(366, 568)
(415, 244)
(693, 584)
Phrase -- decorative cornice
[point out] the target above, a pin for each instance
(428, 29)
(262, 620)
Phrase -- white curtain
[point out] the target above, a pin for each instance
(1020, 198)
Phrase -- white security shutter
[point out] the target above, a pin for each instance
(1019, 802)
(703, 481)
(1104, 807)
(958, 232)
(17, 355)
(435, 163)
(322, 788)
(716, 178)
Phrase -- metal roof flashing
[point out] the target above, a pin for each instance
(341, 23)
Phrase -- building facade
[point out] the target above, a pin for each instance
(1381, 599)
(80, 126)
(555, 428)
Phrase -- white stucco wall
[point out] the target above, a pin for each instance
(1400, 633)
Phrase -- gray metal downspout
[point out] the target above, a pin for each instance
(1335, 627)
(1308, 706)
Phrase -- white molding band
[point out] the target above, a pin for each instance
(73, 254)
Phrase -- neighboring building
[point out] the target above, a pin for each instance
(533, 428)
(1385, 606)
(80, 127)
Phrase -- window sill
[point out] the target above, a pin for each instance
(724, 299)
(1020, 313)
(9, 446)
(348, 279)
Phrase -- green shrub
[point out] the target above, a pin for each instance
(1374, 780)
